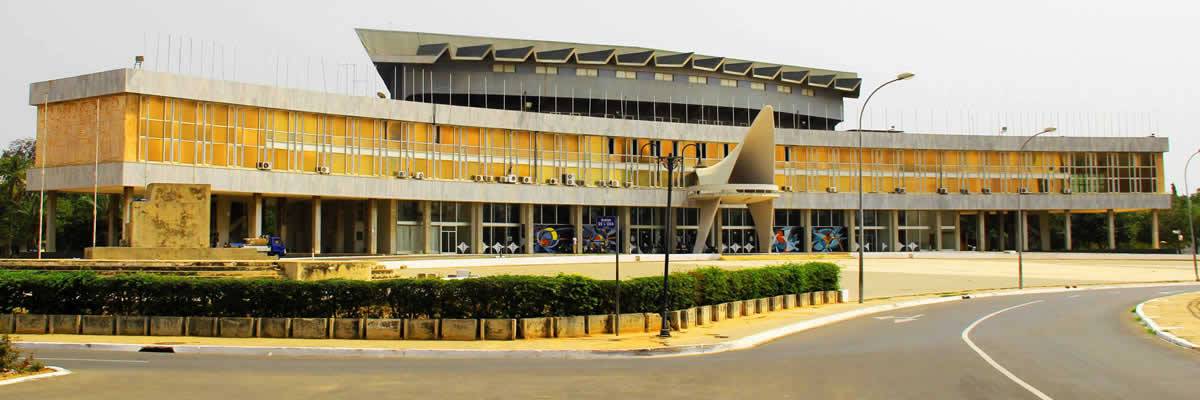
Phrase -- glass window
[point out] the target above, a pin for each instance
(698, 80)
(589, 72)
(729, 82)
(807, 92)
(783, 89)
(509, 68)
(758, 86)
(626, 74)
(544, 70)
(659, 76)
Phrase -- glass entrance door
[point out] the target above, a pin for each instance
(449, 241)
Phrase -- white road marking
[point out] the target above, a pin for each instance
(966, 333)
(1073, 296)
(899, 319)
(95, 360)
(1169, 291)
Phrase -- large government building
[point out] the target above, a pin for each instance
(487, 145)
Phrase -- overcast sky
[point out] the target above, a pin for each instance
(1089, 67)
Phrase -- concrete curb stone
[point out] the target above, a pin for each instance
(1163, 333)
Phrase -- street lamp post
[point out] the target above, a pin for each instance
(861, 214)
(1191, 228)
(668, 235)
(1021, 213)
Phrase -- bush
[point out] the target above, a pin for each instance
(10, 359)
(504, 296)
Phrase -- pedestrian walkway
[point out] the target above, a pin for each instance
(1178, 314)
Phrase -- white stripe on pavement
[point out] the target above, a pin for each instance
(966, 333)
(95, 360)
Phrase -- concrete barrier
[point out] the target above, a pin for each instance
(599, 324)
(97, 324)
(202, 326)
(6, 323)
(818, 298)
(733, 309)
(719, 312)
(130, 325)
(535, 328)
(166, 326)
(831, 296)
(677, 320)
(804, 300)
(274, 327)
(420, 329)
(64, 324)
(236, 327)
(653, 322)
(762, 305)
(633, 323)
(310, 328)
(703, 315)
(347, 328)
(789, 301)
(459, 329)
(499, 329)
(777, 303)
(750, 307)
(31, 323)
(384, 329)
(568, 327)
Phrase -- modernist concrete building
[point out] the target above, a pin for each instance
(489, 145)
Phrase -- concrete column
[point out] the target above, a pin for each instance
(981, 234)
(339, 228)
(707, 216)
(387, 226)
(427, 226)
(372, 226)
(223, 215)
(316, 226)
(937, 230)
(624, 219)
(577, 223)
(527, 228)
(1023, 230)
(852, 225)
(718, 223)
(894, 230)
(51, 228)
(1044, 228)
(126, 211)
(478, 245)
(281, 218)
(254, 215)
(808, 231)
(958, 231)
(1112, 230)
(1154, 229)
(113, 206)
(1067, 228)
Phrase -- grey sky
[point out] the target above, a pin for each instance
(1090, 67)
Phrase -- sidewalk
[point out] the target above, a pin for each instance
(1178, 315)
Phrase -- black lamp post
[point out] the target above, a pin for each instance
(669, 162)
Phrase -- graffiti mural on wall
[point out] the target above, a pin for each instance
(788, 239)
(599, 240)
(554, 239)
(829, 238)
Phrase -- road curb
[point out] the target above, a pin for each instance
(1159, 331)
(656, 352)
(57, 372)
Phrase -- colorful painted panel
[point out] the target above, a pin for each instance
(558, 239)
(828, 238)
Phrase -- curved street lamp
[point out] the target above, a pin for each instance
(1021, 234)
(861, 215)
(669, 162)
(1191, 228)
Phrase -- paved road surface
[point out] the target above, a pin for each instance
(1079, 345)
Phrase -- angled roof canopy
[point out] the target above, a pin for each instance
(821, 81)
(796, 77)
(595, 57)
(771, 72)
(737, 67)
(672, 60)
(847, 84)
(477, 52)
(558, 56)
(519, 54)
(707, 63)
(637, 59)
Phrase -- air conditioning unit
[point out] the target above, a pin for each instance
(831, 189)
(1023, 191)
(964, 191)
(263, 165)
(1066, 191)
(900, 190)
(785, 188)
(630, 184)
(943, 190)
(479, 178)
(612, 183)
(323, 170)
(419, 175)
(569, 180)
(489, 179)
(402, 174)
(986, 191)
(552, 181)
(527, 180)
(508, 179)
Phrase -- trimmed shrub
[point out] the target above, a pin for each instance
(503, 296)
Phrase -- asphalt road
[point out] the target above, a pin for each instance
(1076, 345)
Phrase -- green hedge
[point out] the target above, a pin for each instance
(504, 296)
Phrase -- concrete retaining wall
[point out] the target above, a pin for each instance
(6, 323)
(460, 329)
(346, 328)
(310, 328)
(535, 328)
(632, 323)
(64, 324)
(201, 326)
(132, 326)
(421, 329)
(166, 326)
(599, 324)
(568, 327)
(499, 329)
(236, 327)
(384, 329)
(31, 324)
(98, 324)
(275, 327)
